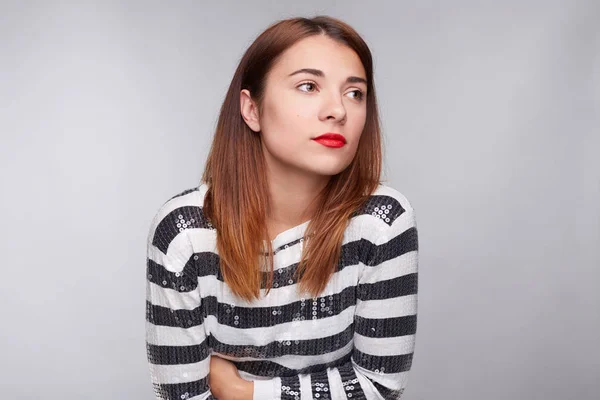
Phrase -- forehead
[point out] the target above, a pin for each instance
(335, 59)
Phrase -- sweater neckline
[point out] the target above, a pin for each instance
(289, 235)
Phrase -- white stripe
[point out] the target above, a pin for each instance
(174, 336)
(178, 254)
(392, 346)
(390, 191)
(294, 330)
(179, 373)
(336, 390)
(393, 268)
(171, 298)
(379, 232)
(203, 239)
(388, 308)
(305, 387)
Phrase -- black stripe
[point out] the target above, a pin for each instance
(179, 391)
(385, 364)
(350, 383)
(388, 289)
(305, 347)
(290, 387)
(319, 384)
(271, 369)
(402, 243)
(385, 327)
(181, 318)
(177, 221)
(173, 355)
(258, 317)
(208, 264)
(184, 281)
(252, 317)
(377, 205)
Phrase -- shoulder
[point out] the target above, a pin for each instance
(385, 211)
(174, 216)
(385, 205)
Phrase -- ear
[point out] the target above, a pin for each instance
(249, 110)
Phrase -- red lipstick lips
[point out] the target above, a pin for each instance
(330, 139)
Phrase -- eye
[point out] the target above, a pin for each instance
(359, 94)
(305, 84)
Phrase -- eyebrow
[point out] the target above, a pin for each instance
(318, 72)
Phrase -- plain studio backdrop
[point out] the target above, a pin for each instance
(489, 113)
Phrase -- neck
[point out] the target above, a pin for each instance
(293, 196)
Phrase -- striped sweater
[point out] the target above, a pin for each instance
(354, 341)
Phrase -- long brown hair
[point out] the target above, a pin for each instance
(237, 199)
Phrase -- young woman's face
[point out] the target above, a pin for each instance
(299, 106)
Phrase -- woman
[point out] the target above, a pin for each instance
(290, 272)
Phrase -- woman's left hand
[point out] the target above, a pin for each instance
(225, 381)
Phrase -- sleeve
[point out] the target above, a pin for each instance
(176, 341)
(385, 322)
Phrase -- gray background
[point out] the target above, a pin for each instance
(489, 112)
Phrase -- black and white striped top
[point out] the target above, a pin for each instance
(355, 341)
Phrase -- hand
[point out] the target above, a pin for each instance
(225, 381)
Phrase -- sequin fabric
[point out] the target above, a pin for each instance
(353, 341)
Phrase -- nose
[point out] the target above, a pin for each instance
(333, 108)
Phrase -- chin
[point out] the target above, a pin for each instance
(328, 170)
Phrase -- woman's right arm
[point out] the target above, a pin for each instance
(176, 340)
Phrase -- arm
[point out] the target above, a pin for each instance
(384, 326)
(175, 337)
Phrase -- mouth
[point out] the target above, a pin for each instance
(331, 140)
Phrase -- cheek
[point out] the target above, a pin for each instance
(356, 123)
(281, 130)
(286, 118)
(296, 111)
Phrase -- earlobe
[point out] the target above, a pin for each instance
(249, 111)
